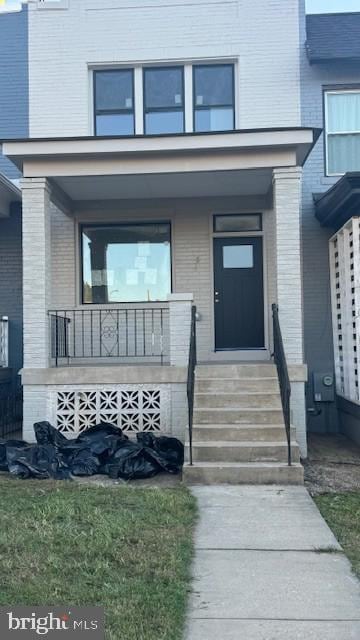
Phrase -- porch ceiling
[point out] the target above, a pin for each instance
(8, 193)
(175, 185)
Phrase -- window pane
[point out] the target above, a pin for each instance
(163, 88)
(214, 85)
(238, 223)
(238, 257)
(214, 119)
(113, 90)
(126, 263)
(343, 112)
(343, 153)
(115, 124)
(164, 122)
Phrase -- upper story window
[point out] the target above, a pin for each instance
(342, 116)
(214, 97)
(114, 102)
(164, 100)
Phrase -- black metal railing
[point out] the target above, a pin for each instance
(283, 375)
(127, 334)
(191, 378)
(11, 409)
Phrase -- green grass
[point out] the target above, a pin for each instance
(126, 549)
(342, 513)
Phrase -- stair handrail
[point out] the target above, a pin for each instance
(283, 375)
(191, 378)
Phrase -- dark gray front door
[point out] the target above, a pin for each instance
(239, 293)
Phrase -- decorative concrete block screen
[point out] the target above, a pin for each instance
(345, 294)
(132, 408)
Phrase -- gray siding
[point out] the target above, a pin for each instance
(316, 276)
(14, 92)
(11, 283)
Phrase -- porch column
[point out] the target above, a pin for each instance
(36, 291)
(287, 205)
(180, 323)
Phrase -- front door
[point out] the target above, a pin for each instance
(239, 293)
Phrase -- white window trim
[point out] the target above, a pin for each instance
(138, 68)
(335, 133)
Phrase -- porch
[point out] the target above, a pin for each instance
(81, 197)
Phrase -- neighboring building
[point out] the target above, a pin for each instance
(330, 84)
(13, 124)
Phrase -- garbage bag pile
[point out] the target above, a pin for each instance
(102, 449)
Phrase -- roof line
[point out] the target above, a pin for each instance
(316, 131)
(5, 182)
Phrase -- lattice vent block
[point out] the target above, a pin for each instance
(131, 409)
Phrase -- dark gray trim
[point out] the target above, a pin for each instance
(123, 223)
(340, 203)
(316, 131)
(98, 112)
(205, 107)
(163, 109)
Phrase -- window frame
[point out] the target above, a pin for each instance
(123, 223)
(219, 106)
(146, 68)
(114, 111)
(238, 215)
(335, 91)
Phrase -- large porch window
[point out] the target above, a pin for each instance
(126, 263)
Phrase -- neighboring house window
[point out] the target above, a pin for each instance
(342, 116)
(126, 262)
(214, 97)
(114, 102)
(164, 100)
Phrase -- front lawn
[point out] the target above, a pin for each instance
(342, 513)
(126, 549)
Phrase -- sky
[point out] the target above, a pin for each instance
(312, 6)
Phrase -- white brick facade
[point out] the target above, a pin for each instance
(90, 34)
(84, 35)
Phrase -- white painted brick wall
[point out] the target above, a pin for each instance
(262, 37)
(36, 271)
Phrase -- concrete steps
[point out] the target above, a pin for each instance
(235, 451)
(238, 432)
(243, 473)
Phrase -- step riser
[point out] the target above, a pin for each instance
(245, 454)
(239, 401)
(236, 371)
(250, 475)
(256, 434)
(213, 416)
(237, 386)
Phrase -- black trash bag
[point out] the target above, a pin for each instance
(131, 461)
(102, 439)
(168, 452)
(84, 463)
(45, 433)
(36, 461)
(3, 447)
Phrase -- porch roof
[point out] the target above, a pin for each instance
(8, 193)
(340, 203)
(184, 165)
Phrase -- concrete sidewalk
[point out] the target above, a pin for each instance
(267, 567)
